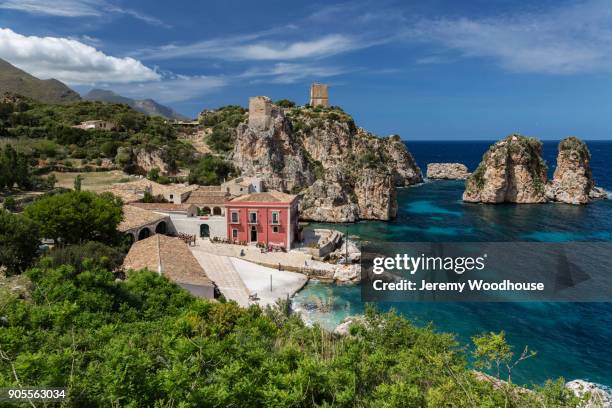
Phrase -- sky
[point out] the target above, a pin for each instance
(435, 70)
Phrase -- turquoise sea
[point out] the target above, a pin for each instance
(573, 340)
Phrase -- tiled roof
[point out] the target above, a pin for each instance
(141, 185)
(210, 188)
(169, 254)
(134, 217)
(268, 196)
(201, 197)
(163, 206)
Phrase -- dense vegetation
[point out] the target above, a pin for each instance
(223, 123)
(145, 342)
(45, 131)
(211, 170)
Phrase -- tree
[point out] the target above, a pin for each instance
(14, 169)
(77, 182)
(285, 103)
(10, 204)
(19, 241)
(210, 170)
(77, 216)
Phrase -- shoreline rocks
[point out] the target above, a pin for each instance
(447, 171)
(599, 398)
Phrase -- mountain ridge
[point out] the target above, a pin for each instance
(147, 106)
(18, 81)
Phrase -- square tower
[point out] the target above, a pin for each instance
(319, 95)
(260, 112)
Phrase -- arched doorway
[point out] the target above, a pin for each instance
(204, 231)
(161, 228)
(144, 233)
(217, 211)
(205, 210)
(253, 233)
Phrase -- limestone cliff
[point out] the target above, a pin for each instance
(573, 182)
(511, 171)
(344, 173)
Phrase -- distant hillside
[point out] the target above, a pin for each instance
(146, 106)
(14, 80)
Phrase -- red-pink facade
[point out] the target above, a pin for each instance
(271, 223)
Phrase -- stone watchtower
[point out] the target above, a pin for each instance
(319, 95)
(260, 112)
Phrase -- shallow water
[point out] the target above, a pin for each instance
(573, 340)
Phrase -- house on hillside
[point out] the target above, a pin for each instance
(136, 189)
(269, 218)
(96, 124)
(171, 258)
(243, 185)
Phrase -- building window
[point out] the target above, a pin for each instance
(234, 218)
(275, 228)
(252, 217)
(172, 196)
(275, 217)
(234, 233)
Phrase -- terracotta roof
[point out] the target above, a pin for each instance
(169, 254)
(201, 197)
(268, 196)
(209, 188)
(163, 206)
(126, 196)
(134, 217)
(141, 185)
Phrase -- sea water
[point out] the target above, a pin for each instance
(572, 340)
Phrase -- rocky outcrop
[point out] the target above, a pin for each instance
(268, 148)
(344, 173)
(511, 171)
(140, 160)
(447, 171)
(573, 182)
(599, 398)
(343, 329)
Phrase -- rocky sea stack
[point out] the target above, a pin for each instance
(447, 171)
(343, 172)
(573, 182)
(511, 171)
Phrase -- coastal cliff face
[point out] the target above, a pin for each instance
(447, 171)
(272, 151)
(344, 173)
(511, 171)
(573, 182)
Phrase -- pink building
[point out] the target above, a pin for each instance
(269, 218)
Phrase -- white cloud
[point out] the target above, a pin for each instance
(576, 38)
(288, 73)
(75, 8)
(253, 47)
(176, 89)
(70, 61)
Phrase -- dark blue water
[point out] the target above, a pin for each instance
(573, 340)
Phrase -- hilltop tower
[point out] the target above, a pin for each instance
(319, 95)
(260, 112)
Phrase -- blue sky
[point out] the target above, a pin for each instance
(436, 70)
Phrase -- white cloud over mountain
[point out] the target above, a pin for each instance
(70, 60)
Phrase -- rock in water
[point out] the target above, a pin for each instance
(344, 173)
(447, 171)
(511, 171)
(599, 397)
(573, 182)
